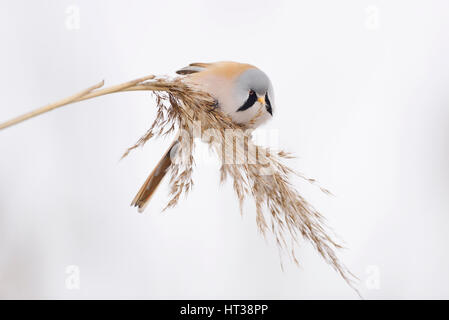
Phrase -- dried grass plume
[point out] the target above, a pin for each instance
(256, 172)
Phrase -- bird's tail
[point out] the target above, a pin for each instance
(146, 191)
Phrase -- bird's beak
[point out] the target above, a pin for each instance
(261, 100)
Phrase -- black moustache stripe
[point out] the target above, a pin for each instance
(249, 103)
(268, 106)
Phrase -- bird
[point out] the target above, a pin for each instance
(240, 91)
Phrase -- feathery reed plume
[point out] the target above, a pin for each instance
(256, 171)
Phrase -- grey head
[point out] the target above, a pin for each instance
(253, 87)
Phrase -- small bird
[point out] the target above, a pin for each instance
(240, 90)
(245, 94)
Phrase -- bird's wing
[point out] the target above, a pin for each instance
(193, 68)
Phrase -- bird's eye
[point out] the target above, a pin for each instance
(252, 98)
(268, 106)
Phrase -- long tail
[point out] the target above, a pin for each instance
(146, 191)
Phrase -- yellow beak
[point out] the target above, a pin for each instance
(261, 100)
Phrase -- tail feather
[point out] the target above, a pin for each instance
(146, 191)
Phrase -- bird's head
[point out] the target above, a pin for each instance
(254, 96)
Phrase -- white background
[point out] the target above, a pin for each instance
(362, 100)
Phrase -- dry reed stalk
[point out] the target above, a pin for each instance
(256, 171)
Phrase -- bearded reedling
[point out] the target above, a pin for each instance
(224, 96)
